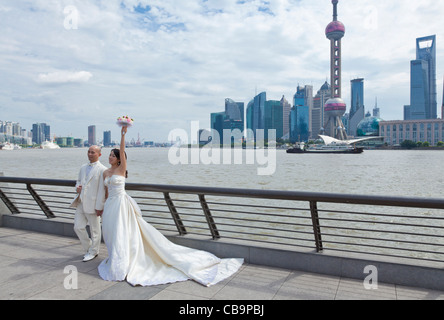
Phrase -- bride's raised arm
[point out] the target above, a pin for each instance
(122, 151)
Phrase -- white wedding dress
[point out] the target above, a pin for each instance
(141, 255)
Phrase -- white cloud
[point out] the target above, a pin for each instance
(61, 77)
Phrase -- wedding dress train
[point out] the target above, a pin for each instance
(143, 256)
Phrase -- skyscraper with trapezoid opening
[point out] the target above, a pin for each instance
(423, 98)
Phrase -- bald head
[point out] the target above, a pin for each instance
(94, 152)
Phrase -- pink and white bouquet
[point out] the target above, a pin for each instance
(125, 121)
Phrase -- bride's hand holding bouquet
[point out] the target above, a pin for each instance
(125, 121)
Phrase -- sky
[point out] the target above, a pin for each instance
(170, 63)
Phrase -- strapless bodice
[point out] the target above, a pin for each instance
(115, 185)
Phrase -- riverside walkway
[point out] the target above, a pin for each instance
(40, 266)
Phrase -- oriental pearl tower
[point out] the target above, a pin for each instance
(335, 107)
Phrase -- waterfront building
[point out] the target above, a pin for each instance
(92, 135)
(11, 128)
(217, 122)
(249, 120)
(231, 119)
(317, 112)
(259, 111)
(65, 142)
(41, 132)
(16, 129)
(286, 107)
(345, 119)
(107, 138)
(78, 142)
(61, 141)
(395, 132)
(256, 115)
(12, 132)
(369, 126)
(357, 112)
(304, 97)
(376, 110)
(6, 127)
(273, 118)
(335, 107)
(423, 101)
(234, 119)
(299, 123)
(300, 119)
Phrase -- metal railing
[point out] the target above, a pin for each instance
(396, 227)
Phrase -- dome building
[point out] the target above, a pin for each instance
(368, 127)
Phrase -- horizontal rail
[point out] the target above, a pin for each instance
(397, 227)
(258, 193)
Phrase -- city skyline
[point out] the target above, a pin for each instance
(76, 64)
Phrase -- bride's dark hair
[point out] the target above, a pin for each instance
(117, 154)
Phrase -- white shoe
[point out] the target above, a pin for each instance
(88, 257)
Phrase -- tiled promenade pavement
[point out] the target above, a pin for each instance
(39, 266)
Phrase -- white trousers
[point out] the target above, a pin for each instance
(81, 219)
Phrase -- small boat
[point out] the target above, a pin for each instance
(7, 146)
(49, 145)
(10, 146)
(301, 148)
(331, 145)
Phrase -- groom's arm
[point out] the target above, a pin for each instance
(79, 181)
(100, 200)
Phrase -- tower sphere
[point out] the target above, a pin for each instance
(335, 107)
(335, 30)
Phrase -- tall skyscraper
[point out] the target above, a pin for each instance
(299, 123)
(256, 115)
(217, 124)
(92, 135)
(304, 97)
(41, 132)
(234, 119)
(423, 101)
(300, 115)
(234, 115)
(273, 119)
(317, 113)
(107, 138)
(357, 111)
(376, 110)
(335, 107)
(231, 119)
(286, 107)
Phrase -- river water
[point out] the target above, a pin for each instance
(407, 173)
(411, 173)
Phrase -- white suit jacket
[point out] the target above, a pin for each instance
(92, 196)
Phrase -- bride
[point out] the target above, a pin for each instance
(137, 251)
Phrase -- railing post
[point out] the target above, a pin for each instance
(8, 203)
(316, 225)
(209, 217)
(179, 224)
(40, 202)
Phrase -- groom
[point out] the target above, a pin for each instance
(90, 201)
